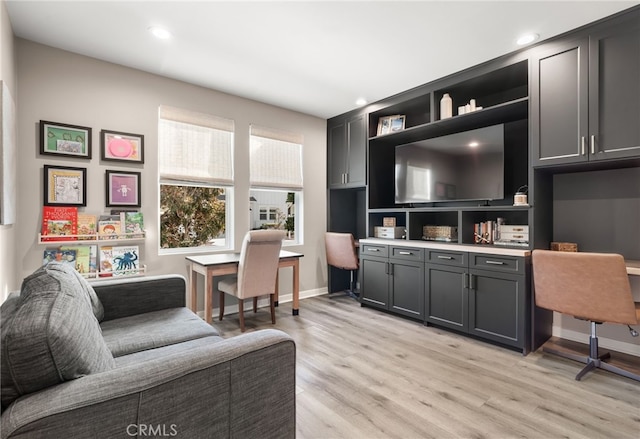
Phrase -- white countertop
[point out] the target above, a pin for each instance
(633, 267)
(472, 248)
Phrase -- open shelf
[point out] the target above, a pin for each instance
(501, 113)
(88, 239)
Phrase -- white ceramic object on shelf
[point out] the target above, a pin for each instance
(446, 106)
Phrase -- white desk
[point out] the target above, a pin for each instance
(220, 264)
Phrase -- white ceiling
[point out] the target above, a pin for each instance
(316, 57)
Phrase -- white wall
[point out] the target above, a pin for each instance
(63, 87)
(9, 276)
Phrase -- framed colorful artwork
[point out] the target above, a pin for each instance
(121, 146)
(65, 140)
(123, 189)
(65, 186)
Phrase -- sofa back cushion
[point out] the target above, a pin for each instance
(50, 335)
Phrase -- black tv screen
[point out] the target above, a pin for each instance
(463, 166)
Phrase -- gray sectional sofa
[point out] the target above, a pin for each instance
(126, 358)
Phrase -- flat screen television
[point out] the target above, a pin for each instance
(465, 166)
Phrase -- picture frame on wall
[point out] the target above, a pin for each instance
(122, 147)
(65, 140)
(65, 186)
(123, 189)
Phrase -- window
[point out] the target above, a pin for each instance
(276, 182)
(195, 153)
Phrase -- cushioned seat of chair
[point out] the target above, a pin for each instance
(154, 329)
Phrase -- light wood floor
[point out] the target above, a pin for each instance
(362, 373)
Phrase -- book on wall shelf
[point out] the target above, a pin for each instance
(85, 259)
(105, 261)
(125, 260)
(66, 256)
(109, 227)
(59, 223)
(87, 226)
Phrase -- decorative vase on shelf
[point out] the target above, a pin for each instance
(446, 106)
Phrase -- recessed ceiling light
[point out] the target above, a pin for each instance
(474, 144)
(361, 101)
(527, 38)
(160, 33)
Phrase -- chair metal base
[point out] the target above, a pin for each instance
(594, 360)
(351, 292)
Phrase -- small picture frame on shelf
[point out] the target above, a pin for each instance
(65, 140)
(384, 125)
(397, 122)
(123, 147)
(123, 189)
(65, 186)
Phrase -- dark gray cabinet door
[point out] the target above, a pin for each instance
(338, 151)
(559, 103)
(407, 287)
(497, 308)
(347, 149)
(614, 92)
(374, 282)
(357, 155)
(446, 296)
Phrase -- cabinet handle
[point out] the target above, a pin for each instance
(465, 280)
(373, 249)
(593, 144)
(493, 262)
(472, 284)
(390, 269)
(582, 141)
(445, 257)
(405, 253)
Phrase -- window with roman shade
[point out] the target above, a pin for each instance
(276, 181)
(195, 164)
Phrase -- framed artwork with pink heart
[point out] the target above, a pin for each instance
(120, 146)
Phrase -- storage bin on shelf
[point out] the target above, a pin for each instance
(440, 233)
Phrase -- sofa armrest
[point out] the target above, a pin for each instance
(239, 387)
(137, 295)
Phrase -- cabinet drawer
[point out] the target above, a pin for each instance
(374, 250)
(457, 259)
(497, 263)
(408, 253)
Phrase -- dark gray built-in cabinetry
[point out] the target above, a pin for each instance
(392, 278)
(585, 102)
(570, 107)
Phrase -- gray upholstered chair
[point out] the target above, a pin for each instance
(342, 253)
(257, 272)
(587, 286)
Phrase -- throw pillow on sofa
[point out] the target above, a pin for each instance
(51, 334)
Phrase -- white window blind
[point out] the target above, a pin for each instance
(195, 147)
(276, 159)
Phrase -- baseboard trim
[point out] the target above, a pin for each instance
(606, 343)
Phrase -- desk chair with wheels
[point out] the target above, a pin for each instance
(342, 253)
(257, 272)
(587, 286)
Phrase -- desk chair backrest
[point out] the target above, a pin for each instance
(341, 250)
(258, 266)
(589, 286)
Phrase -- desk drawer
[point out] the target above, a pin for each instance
(374, 250)
(497, 263)
(408, 253)
(456, 259)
